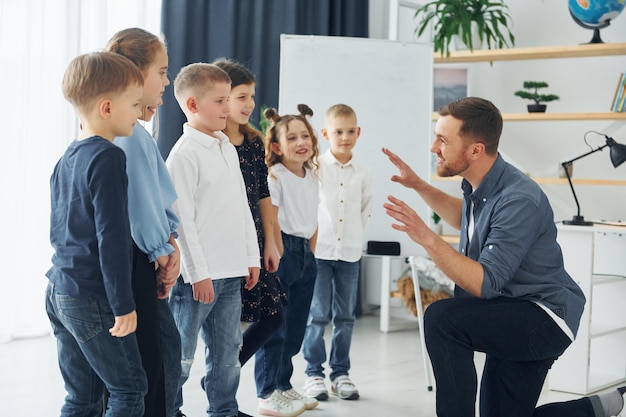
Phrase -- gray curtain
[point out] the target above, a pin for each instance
(247, 31)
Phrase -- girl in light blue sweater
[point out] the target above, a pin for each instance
(156, 258)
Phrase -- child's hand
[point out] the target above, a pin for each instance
(169, 266)
(162, 261)
(124, 325)
(167, 272)
(164, 286)
(252, 278)
(203, 291)
(271, 258)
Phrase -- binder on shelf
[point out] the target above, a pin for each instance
(619, 82)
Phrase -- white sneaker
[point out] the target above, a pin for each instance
(314, 387)
(278, 405)
(309, 402)
(343, 388)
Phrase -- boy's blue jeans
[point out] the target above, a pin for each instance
(334, 298)
(90, 359)
(519, 339)
(273, 367)
(219, 325)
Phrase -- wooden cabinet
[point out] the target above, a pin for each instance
(594, 257)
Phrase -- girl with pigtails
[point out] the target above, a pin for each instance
(291, 150)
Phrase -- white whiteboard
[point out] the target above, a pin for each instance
(389, 85)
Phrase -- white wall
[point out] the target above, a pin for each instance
(584, 84)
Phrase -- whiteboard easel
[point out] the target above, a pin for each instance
(389, 85)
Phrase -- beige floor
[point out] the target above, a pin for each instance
(386, 368)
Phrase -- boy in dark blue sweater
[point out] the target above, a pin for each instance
(89, 298)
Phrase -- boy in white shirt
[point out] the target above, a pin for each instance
(217, 237)
(344, 211)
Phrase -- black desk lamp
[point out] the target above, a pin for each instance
(618, 156)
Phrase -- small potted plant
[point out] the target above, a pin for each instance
(437, 226)
(263, 123)
(489, 19)
(534, 95)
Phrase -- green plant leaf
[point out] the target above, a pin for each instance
(450, 18)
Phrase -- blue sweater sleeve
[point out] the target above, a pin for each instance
(108, 187)
(150, 194)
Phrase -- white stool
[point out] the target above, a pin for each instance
(385, 297)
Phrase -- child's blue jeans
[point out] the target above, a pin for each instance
(90, 359)
(273, 367)
(334, 299)
(219, 325)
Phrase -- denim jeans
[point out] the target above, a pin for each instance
(334, 298)
(170, 347)
(273, 367)
(219, 325)
(519, 339)
(90, 359)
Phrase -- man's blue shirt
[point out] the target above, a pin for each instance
(514, 240)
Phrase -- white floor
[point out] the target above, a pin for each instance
(387, 369)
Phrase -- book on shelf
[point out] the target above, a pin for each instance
(620, 105)
(619, 98)
(619, 82)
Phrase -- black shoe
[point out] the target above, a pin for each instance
(180, 414)
(242, 414)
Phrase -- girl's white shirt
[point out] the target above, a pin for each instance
(297, 199)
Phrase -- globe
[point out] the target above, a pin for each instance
(595, 14)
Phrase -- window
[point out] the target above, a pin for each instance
(38, 38)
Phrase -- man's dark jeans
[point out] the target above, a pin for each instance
(520, 341)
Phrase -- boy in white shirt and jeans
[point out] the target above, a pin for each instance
(217, 236)
(344, 211)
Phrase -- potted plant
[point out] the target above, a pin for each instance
(436, 227)
(534, 95)
(263, 123)
(489, 18)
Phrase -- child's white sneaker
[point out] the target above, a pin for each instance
(278, 405)
(309, 402)
(343, 388)
(314, 387)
